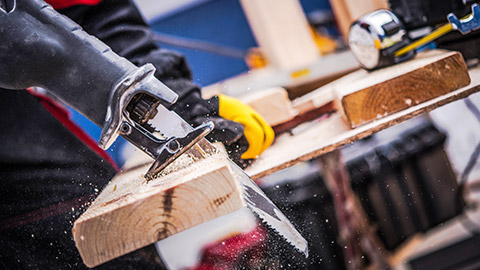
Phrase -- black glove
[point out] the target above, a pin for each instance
(119, 24)
(196, 111)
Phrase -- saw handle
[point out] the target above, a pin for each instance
(40, 47)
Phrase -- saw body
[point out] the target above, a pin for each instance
(42, 48)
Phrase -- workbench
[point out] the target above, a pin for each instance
(322, 140)
(323, 136)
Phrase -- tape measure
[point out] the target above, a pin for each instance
(379, 38)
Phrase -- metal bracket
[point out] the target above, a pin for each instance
(164, 151)
(140, 81)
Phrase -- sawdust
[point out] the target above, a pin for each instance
(131, 183)
(191, 156)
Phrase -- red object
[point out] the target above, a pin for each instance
(59, 4)
(63, 116)
(227, 254)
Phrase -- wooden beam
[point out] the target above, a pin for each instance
(367, 96)
(131, 213)
(355, 232)
(282, 31)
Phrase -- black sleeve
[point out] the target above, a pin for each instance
(118, 24)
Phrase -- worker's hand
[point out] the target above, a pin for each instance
(258, 133)
(246, 130)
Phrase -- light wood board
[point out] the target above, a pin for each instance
(131, 213)
(324, 69)
(316, 138)
(272, 104)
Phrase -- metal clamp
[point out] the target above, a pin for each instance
(468, 24)
(166, 150)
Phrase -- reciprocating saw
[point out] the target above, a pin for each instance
(40, 47)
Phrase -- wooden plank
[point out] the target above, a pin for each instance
(272, 104)
(366, 96)
(131, 213)
(282, 31)
(358, 8)
(381, 92)
(316, 138)
(342, 16)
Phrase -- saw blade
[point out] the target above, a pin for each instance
(170, 124)
(261, 205)
(268, 213)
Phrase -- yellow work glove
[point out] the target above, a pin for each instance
(258, 133)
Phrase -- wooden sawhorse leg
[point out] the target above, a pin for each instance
(356, 235)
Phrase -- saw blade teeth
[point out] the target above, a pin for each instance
(267, 224)
(267, 212)
(150, 128)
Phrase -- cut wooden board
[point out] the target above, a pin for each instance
(272, 104)
(365, 96)
(131, 213)
(316, 138)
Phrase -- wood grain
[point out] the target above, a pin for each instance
(316, 138)
(370, 96)
(130, 213)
